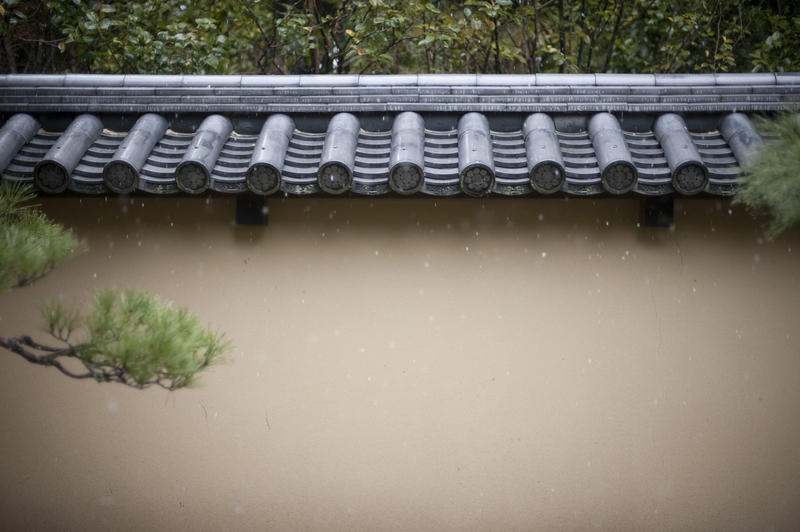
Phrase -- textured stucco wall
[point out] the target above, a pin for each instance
(414, 364)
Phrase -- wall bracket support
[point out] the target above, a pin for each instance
(657, 212)
(251, 209)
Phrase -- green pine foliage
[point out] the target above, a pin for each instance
(127, 336)
(771, 186)
(30, 244)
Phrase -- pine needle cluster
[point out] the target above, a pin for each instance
(771, 185)
(127, 336)
(30, 244)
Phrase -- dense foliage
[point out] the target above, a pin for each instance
(30, 244)
(392, 36)
(770, 186)
(127, 336)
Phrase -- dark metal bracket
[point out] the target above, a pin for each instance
(251, 209)
(657, 212)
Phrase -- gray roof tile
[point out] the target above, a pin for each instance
(149, 80)
(506, 80)
(447, 79)
(270, 81)
(387, 80)
(685, 80)
(329, 80)
(93, 80)
(625, 79)
(626, 92)
(430, 134)
(504, 163)
(212, 81)
(787, 78)
(727, 78)
(565, 79)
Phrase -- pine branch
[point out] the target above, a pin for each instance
(18, 345)
(770, 187)
(133, 338)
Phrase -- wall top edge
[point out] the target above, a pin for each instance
(404, 80)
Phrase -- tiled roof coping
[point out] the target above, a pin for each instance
(423, 93)
(430, 134)
(407, 154)
(364, 80)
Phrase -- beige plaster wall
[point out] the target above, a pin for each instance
(414, 364)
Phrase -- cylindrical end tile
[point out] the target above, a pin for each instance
(264, 173)
(406, 178)
(192, 177)
(742, 137)
(475, 157)
(120, 174)
(335, 175)
(193, 174)
(545, 164)
(617, 171)
(52, 173)
(263, 178)
(619, 177)
(51, 177)
(335, 178)
(407, 156)
(689, 173)
(547, 177)
(477, 180)
(15, 133)
(690, 178)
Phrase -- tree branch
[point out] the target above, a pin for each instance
(561, 36)
(614, 36)
(583, 27)
(17, 345)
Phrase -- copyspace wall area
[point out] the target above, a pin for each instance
(423, 364)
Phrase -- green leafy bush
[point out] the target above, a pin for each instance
(771, 186)
(30, 244)
(394, 36)
(127, 336)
